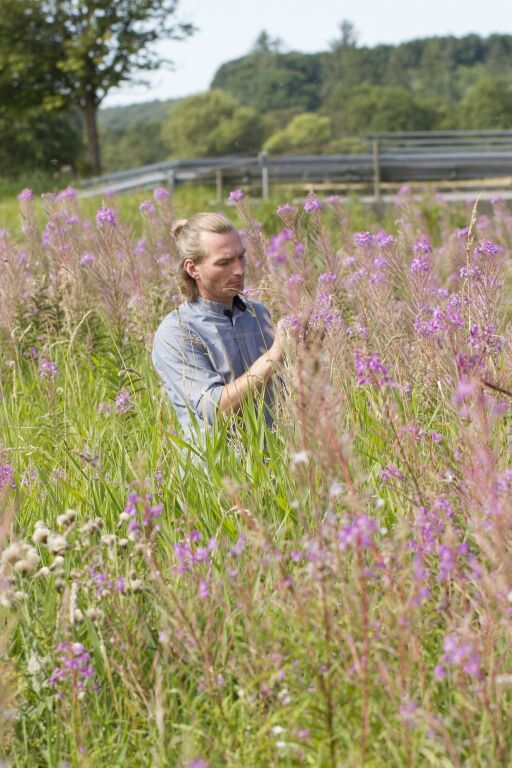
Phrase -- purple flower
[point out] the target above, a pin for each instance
(105, 217)
(382, 239)
(147, 207)
(160, 193)
(74, 665)
(312, 204)
(104, 408)
(469, 272)
(422, 246)
(420, 264)
(327, 277)
(295, 280)
(86, 258)
(370, 370)
(236, 195)
(464, 391)
(363, 239)
(488, 248)
(47, 369)
(140, 246)
(203, 589)
(238, 548)
(285, 208)
(392, 472)
(333, 199)
(460, 652)
(6, 476)
(357, 532)
(123, 402)
(198, 762)
(25, 194)
(67, 194)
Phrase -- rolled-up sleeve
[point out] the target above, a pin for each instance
(183, 363)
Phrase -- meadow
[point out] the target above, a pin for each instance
(333, 591)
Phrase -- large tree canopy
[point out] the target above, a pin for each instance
(63, 53)
(212, 123)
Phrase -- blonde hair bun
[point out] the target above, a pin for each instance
(177, 227)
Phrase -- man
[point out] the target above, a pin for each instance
(216, 348)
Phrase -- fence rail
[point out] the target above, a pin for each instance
(391, 158)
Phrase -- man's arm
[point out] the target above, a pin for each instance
(255, 378)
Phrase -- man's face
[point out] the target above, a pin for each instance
(220, 274)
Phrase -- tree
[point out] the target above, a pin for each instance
(266, 44)
(65, 53)
(348, 36)
(386, 108)
(46, 143)
(307, 132)
(212, 123)
(269, 80)
(487, 104)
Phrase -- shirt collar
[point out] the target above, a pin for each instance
(218, 307)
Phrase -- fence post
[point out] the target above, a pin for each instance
(376, 170)
(171, 181)
(218, 185)
(263, 158)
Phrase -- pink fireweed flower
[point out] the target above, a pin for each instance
(422, 246)
(140, 246)
(236, 195)
(6, 476)
(160, 193)
(420, 264)
(382, 239)
(123, 402)
(391, 473)
(295, 280)
(370, 370)
(460, 652)
(25, 194)
(363, 239)
(469, 272)
(464, 391)
(69, 193)
(488, 248)
(312, 204)
(147, 207)
(105, 217)
(357, 533)
(327, 277)
(75, 665)
(47, 369)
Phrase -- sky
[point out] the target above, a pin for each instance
(227, 29)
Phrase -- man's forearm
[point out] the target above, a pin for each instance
(253, 380)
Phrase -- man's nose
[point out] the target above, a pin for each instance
(239, 267)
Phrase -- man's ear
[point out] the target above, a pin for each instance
(190, 268)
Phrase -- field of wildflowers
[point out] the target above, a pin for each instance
(336, 591)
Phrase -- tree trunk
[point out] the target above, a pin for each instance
(90, 110)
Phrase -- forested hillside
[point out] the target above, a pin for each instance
(286, 102)
(297, 102)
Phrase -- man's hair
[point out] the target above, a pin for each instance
(187, 234)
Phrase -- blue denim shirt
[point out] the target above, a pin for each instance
(199, 347)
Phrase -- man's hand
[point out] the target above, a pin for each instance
(276, 351)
